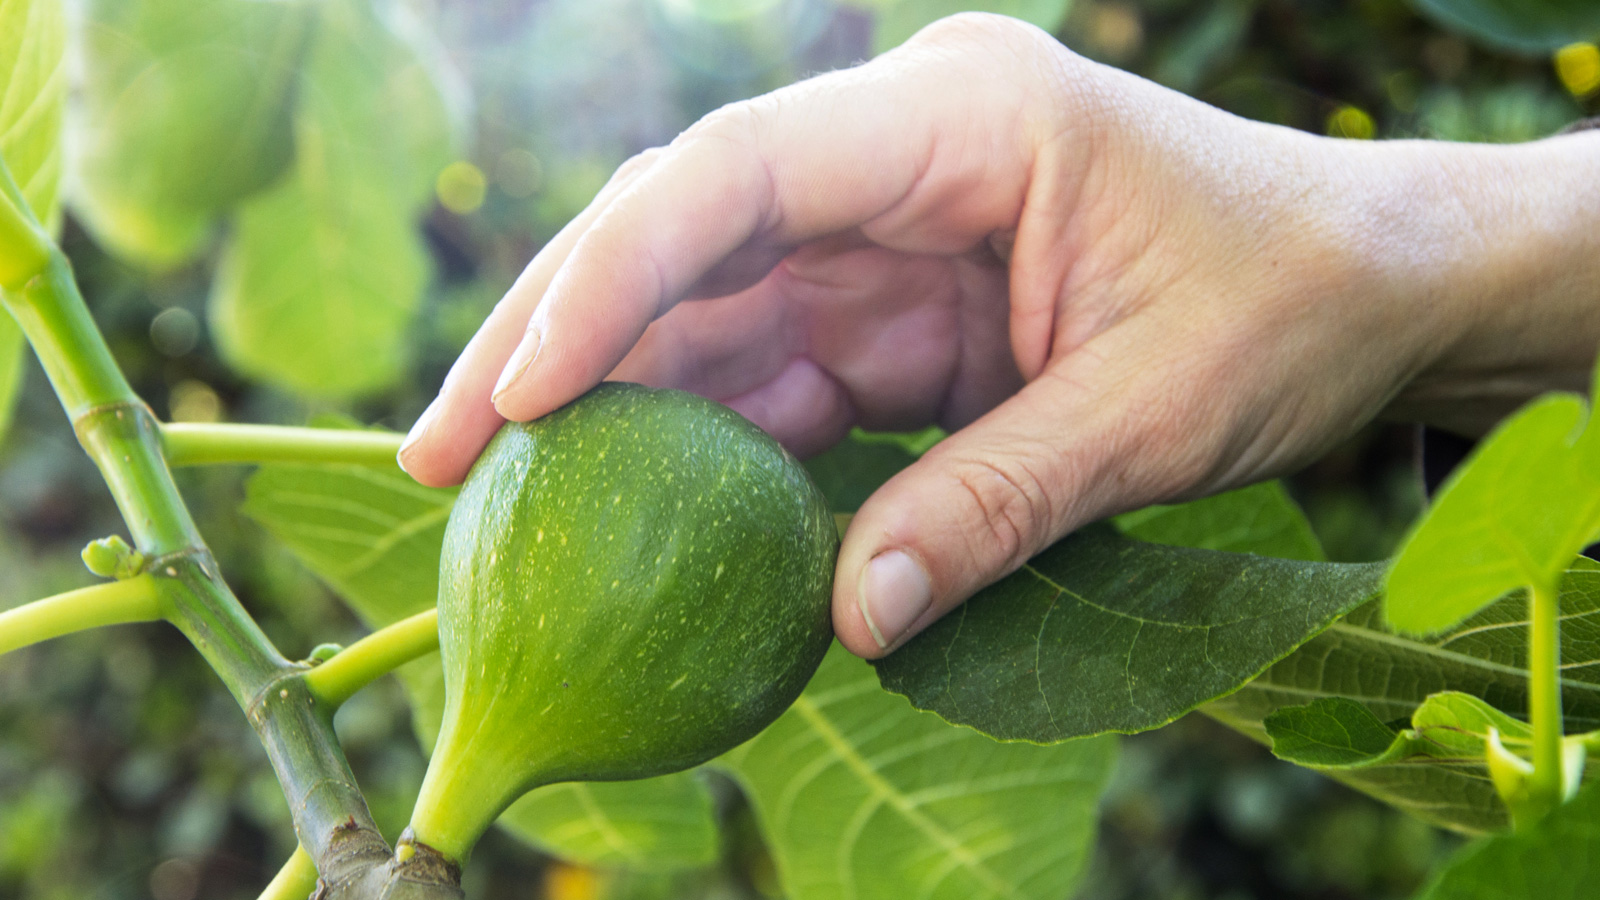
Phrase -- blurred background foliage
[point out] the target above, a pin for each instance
(284, 209)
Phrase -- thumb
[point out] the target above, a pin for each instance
(983, 501)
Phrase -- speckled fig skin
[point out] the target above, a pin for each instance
(629, 586)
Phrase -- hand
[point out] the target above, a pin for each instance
(1111, 294)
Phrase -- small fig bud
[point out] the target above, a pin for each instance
(111, 557)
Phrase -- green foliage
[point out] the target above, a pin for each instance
(1556, 859)
(325, 270)
(1340, 733)
(663, 824)
(190, 104)
(1515, 515)
(1330, 732)
(1259, 519)
(32, 101)
(861, 796)
(1103, 633)
(1519, 26)
(1486, 656)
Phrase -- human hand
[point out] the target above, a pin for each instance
(1111, 294)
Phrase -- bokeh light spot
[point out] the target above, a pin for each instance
(564, 882)
(518, 173)
(461, 187)
(1578, 66)
(194, 401)
(175, 331)
(1351, 122)
(175, 879)
(1115, 30)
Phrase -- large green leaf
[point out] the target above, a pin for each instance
(1521, 26)
(1359, 658)
(184, 111)
(1515, 514)
(324, 272)
(861, 796)
(1556, 859)
(33, 89)
(374, 535)
(1103, 633)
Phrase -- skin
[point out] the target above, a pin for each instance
(1110, 294)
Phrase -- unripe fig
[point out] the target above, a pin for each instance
(629, 586)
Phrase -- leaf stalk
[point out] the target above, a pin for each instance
(358, 665)
(1546, 782)
(109, 603)
(227, 444)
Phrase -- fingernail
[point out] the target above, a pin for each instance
(517, 366)
(423, 423)
(893, 593)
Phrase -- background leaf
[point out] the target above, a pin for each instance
(1339, 733)
(1330, 732)
(324, 272)
(1514, 514)
(1259, 519)
(32, 99)
(1556, 859)
(1520, 26)
(374, 535)
(861, 796)
(186, 107)
(1391, 674)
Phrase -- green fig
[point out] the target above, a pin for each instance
(629, 586)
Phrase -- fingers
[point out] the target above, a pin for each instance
(447, 438)
(922, 153)
(1084, 440)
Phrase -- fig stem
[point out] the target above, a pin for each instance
(108, 603)
(295, 881)
(192, 444)
(379, 653)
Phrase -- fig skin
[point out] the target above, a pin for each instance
(629, 586)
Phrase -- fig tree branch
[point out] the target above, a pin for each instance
(109, 603)
(222, 444)
(121, 435)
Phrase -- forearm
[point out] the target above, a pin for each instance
(1509, 237)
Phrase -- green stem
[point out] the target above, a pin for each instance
(198, 445)
(1544, 697)
(109, 603)
(122, 437)
(295, 881)
(358, 665)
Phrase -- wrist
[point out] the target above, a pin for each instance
(1503, 244)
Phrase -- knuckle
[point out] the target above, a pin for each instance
(735, 123)
(977, 27)
(1013, 498)
(638, 163)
